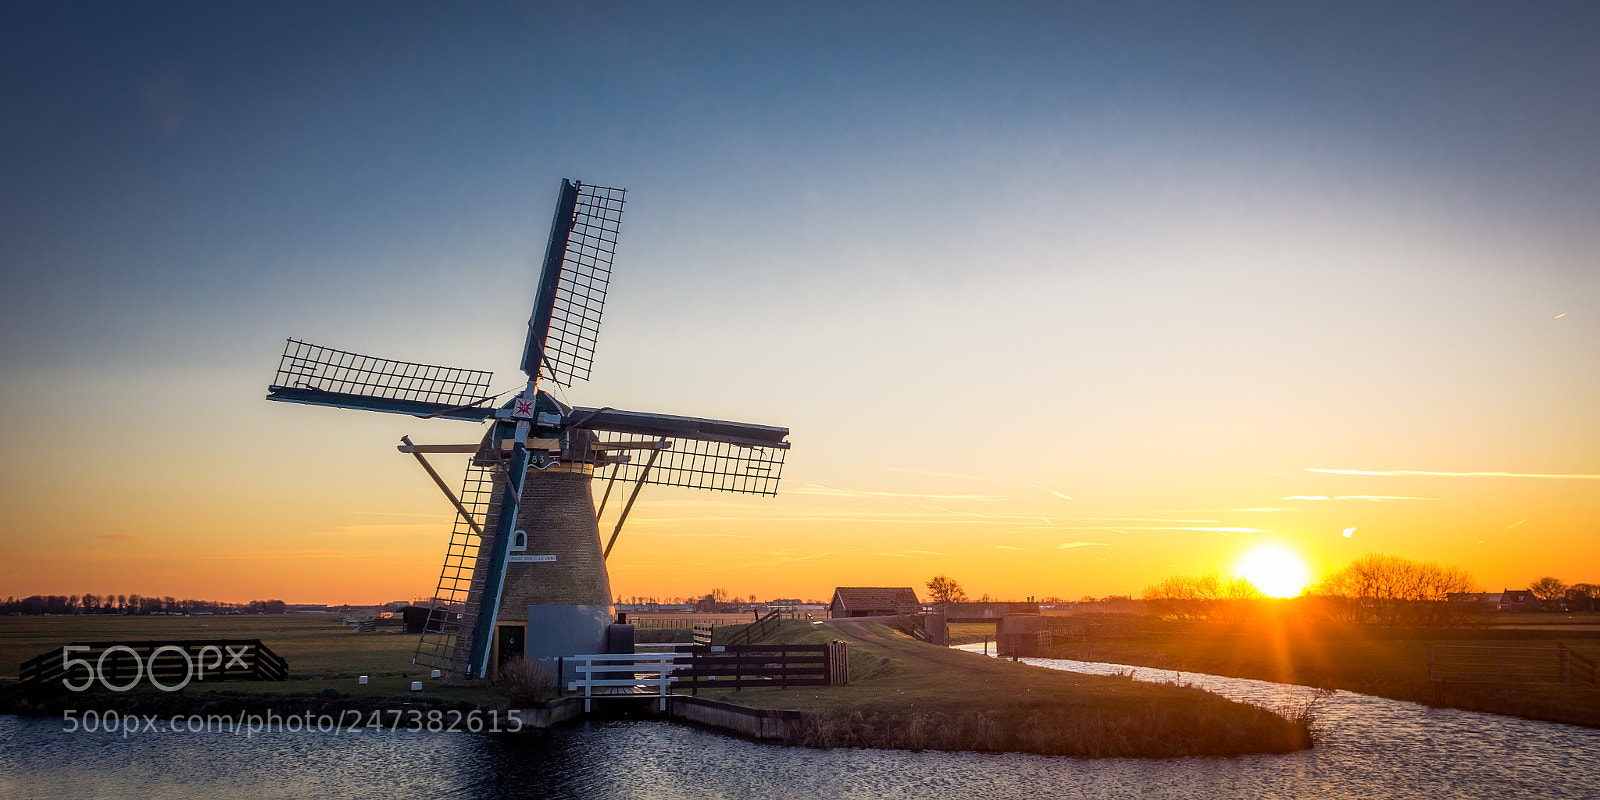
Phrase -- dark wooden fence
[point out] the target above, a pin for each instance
(755, 630)
(763, 665)
(122, 665)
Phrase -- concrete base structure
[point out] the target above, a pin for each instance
(1018, 634)
(754, 723)
(557, 631)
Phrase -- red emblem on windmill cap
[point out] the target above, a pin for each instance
(522, 409)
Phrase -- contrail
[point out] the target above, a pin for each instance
(1457, 474)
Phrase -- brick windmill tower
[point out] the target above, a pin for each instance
(525, 570)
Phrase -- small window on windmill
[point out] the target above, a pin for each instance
(519, 540)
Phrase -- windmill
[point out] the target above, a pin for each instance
(524, 572)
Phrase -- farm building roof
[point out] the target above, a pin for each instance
(899, 599)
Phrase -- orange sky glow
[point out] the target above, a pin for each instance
(1057, 301)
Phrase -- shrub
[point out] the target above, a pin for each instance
(527, 681)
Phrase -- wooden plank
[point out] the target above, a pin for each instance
(437, 448)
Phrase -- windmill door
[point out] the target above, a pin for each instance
(510, 643)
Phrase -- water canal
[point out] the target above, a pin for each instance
(1369, 748)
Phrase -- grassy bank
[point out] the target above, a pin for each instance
(903, 693)
(1388, 662)
(322, 654)
(908, 694)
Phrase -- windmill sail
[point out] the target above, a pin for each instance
(699, 454)
(524, 570)
(322, 376)
(700, 464)
(572, 286)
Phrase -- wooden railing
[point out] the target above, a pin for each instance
(755, 630)
(621, 676)
(764, 665)
(1585, 665)
(122, 665)
(1482, 664)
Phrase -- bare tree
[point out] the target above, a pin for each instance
(1393, 591)
(944, 589)
(1581, 596)
(1548, 590)
(1205, 597)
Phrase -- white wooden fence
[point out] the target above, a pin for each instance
(624, 676)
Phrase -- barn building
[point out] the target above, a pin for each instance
(873, 601)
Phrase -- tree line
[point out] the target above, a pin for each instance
(1374, 589)
(131, 604)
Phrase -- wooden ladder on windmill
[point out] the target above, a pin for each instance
(452, 612)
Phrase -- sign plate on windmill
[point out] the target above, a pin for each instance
(523, 408)
(529, 559)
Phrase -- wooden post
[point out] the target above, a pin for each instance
(444, 487)
(601, 509)
(634, 495)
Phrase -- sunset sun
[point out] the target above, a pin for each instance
(1274, 569)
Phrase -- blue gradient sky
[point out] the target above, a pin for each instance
(1160, 258)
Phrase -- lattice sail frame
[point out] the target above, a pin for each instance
(698, 463)
(311, 366)
(585, 277)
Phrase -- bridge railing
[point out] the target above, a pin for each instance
(624, 675)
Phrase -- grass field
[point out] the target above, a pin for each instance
(322, 653)
(903, 693)
(1388, 662)
(908, 694)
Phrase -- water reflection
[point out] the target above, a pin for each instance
(1368, 747)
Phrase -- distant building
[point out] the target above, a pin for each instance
(1519, 600)
(416, 619)
(873, 601)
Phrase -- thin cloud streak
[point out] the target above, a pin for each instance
(1071, 545)
(1124, 528)
(786, 560)
(1368, 497)
(892, 499)
(1393, 472)
(1049, 491)
(917, 495)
